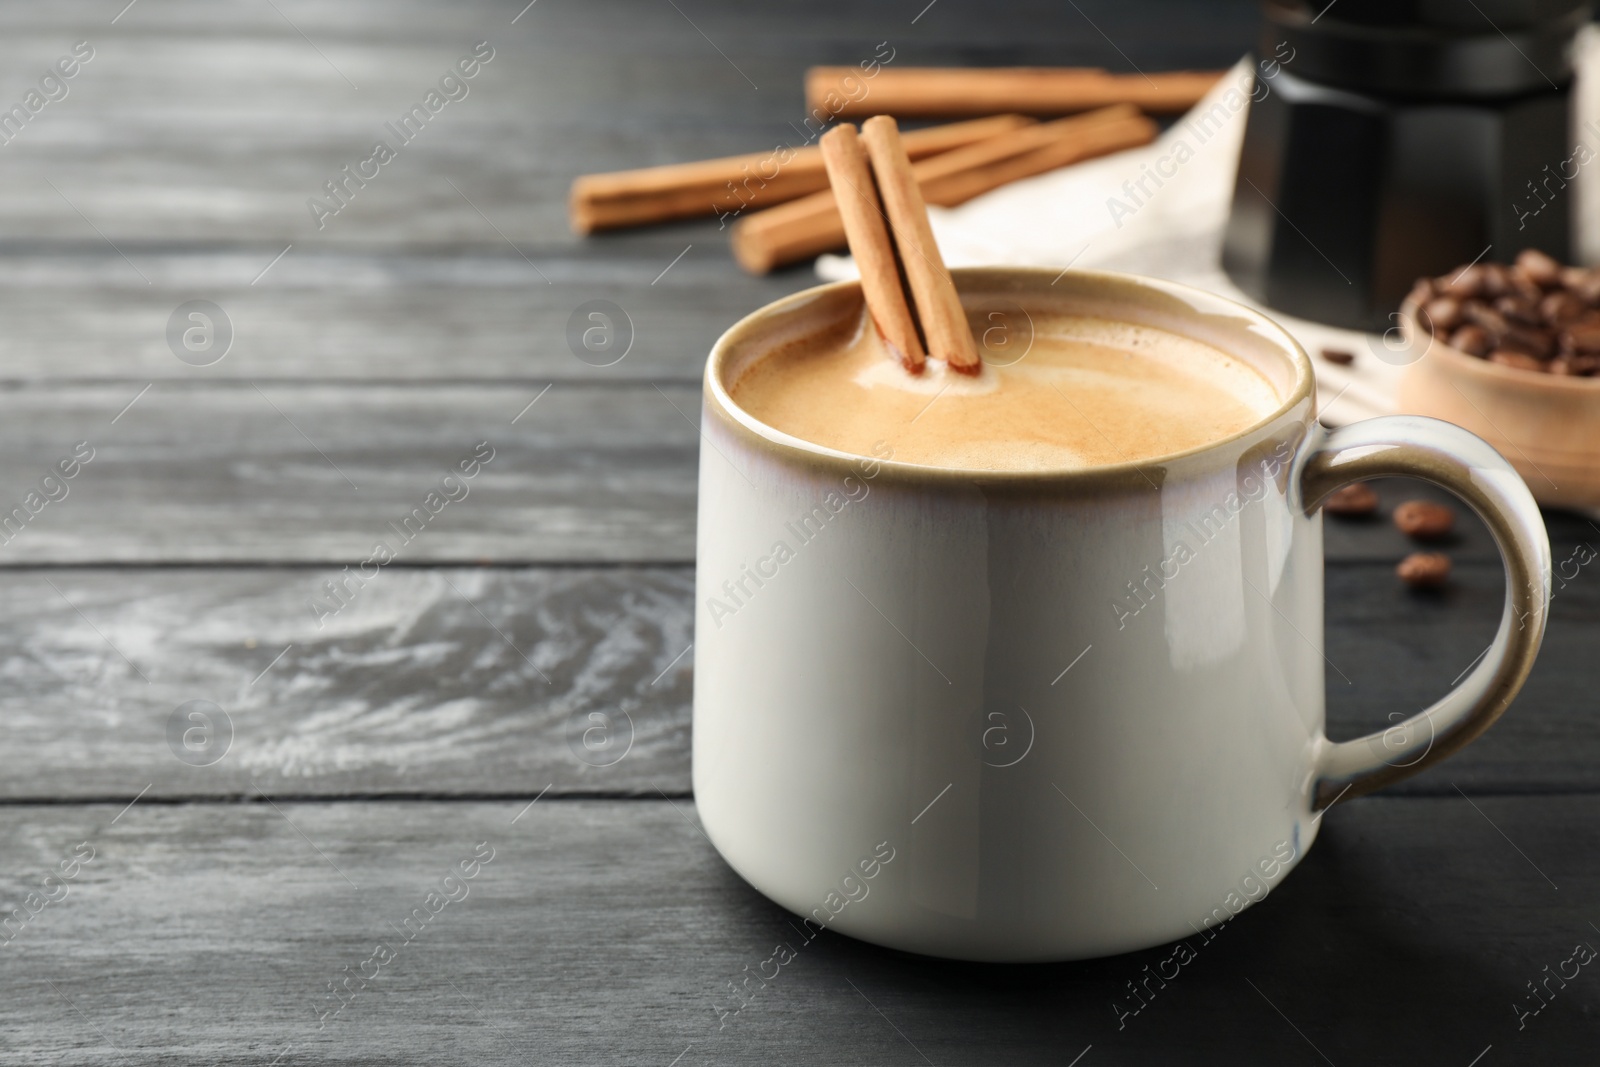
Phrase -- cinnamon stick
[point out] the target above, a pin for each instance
(850, 175)
(811, 225)
(931, 92)
(957, 176)
(944, 323)
(733, 184)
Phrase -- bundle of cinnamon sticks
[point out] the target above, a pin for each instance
(779, 203)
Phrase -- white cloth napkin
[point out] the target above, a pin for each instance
(1090, 215)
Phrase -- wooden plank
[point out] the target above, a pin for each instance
(409, 690)
(607, 931)
(79, 315)
(427, 681)
(209, 473)
(193, 128)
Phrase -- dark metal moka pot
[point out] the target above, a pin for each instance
(1401, 138)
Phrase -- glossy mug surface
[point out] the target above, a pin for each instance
(1027, 716)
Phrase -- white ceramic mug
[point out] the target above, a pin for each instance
(1044, 716)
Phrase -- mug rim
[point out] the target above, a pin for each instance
(718, 399)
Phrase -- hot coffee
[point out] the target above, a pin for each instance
(1087, 392)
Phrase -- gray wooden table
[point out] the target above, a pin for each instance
(192, 890)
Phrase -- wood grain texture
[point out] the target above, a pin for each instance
(239, 472)
(76, 315)
(409, 690)
(429, 681)
(606, 932)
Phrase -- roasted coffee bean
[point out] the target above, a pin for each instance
(1581, 336)
(1464, 284)
(1424, 520)
(1559, 308)
(1353, 500)
(1492, 321)
(1539, 268)
(1522, 287)
(1339, 356)
(1517, 309)
(1424, 570)
(1422, 291)
(1441, 314)
(1584, 327)
(1471, 340)
(1496, 279)
(1539, 343)
(1521, 360)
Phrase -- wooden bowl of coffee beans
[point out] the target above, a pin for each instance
(1512, 353)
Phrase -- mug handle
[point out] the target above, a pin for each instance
(1452, 458)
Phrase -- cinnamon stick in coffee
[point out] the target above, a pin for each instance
(811, 225)
(850, 174)
(734, 184)
(934, 92)
(938, 308)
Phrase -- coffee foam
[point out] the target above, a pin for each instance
(1089, 392)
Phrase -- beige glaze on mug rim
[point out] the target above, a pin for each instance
(1170, 306)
